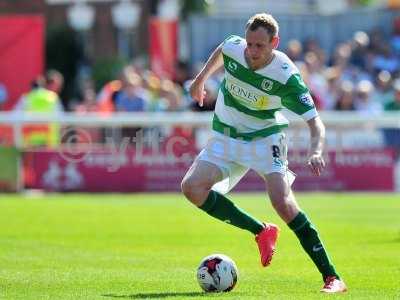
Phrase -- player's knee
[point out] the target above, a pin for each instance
(196, 192)
(280, 204)
(286, 208)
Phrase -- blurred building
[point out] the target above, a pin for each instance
(73, 37)
(102, 36)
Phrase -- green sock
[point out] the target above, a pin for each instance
(220, 207)
(312, 244)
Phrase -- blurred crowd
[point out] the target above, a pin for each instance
(138, 89)
(362, 74)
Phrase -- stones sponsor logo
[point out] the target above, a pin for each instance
(248, 97)
(242, 93)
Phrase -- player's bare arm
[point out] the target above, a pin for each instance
(214, 62)
(317, 131)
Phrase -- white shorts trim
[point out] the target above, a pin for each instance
(235, 157)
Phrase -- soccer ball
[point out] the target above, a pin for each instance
(217, 273)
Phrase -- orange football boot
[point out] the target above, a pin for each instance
(266, 241)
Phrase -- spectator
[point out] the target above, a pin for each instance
(88, 103)
(386, 60)
(392, 135)
(316, 80)
(132, 96)
(44, 94)
(182, 73)
(355, 74)
(341, 55)
(394, 104)
(312, 45)
(43, 99)
(106, 97)
(359, 50)
(153, 86)
(364, 102)
(383, 88)
(332, 76)
(171, 95)
(54, 81)
(306, 77)
(376, 40)
(345, 97)
(355, 60)
(294, 50)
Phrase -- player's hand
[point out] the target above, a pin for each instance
(197, 91)
(316, 163)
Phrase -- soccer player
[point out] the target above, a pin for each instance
(247, 134)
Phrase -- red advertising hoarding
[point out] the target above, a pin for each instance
(21, 53)
(104, 170)
(163, 46)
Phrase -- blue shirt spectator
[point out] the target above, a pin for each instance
(126, 102)
(132, 97)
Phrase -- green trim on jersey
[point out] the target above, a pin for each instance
(230, 101)
(290, 93)
(246, 136)
(251, 99)
(295, 89)
(250, 77)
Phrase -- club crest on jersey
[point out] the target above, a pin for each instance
(232, 66)
(306, 99)
(266, 85)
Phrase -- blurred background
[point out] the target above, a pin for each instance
(93, 94)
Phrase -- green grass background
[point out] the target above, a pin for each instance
(148, 246)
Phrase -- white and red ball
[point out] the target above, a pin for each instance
(217, 273)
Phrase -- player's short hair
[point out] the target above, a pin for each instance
(265, 21)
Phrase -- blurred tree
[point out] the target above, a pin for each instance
(107, 69)
(370, 2)
(189, 7)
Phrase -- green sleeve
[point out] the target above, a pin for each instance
(296, 96)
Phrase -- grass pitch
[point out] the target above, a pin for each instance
(148, 246)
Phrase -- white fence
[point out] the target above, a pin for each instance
(331, 118)
(349, 129)
(345, 130)
(336, 122)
